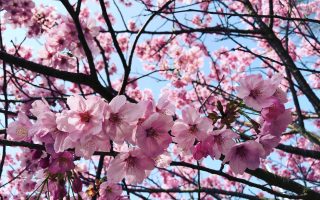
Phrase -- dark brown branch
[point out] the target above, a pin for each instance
(78, 78)
(6, 103)
(42, 147)
(298, 151)
(215, 29)
(202, 190)
(285, 183)
(22, 144)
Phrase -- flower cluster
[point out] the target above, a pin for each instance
(142, 132)
(267, 97)
(262, 95)
(17, 11)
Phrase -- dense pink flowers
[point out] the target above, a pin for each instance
(83, 125)
(267, 97)
(141, 135)
(221, 142)
(45, 128)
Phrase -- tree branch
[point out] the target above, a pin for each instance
(78, 78)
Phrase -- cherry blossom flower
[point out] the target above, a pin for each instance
(109, 191)
(120, 118)
(131, 165)
(279, 93)
(244, 155)
(147, 134)
(268, 142)
(152, 135)
(200, 150)
(165, 106)
(191, 127)
(61, 163)
(84, 117)
(86, 146)
(45, 128)
(273, 111)
(220, 142)
(277, 125)
(19, 130)
(255, 91)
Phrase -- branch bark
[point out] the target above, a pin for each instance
(78, 78)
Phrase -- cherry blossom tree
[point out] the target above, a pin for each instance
(163, 99)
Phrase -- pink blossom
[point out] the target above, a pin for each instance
(273, 111)
(61, 163)
(120, 119)
(132, 26)
(109, 191)
(84, 126)
(268, 142)
(45, 128)
(200, 151)
(220, 142)
(277, 125)
(163, 160)
(39, 106)
(152, 135)
(165, 106)
(191, 127)
(19, 130)
(131, 165)
(255, 91)
(279, 93)
(315, 80)
(84, 117)
(86, 146)
(57, 189)
(244, 155)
